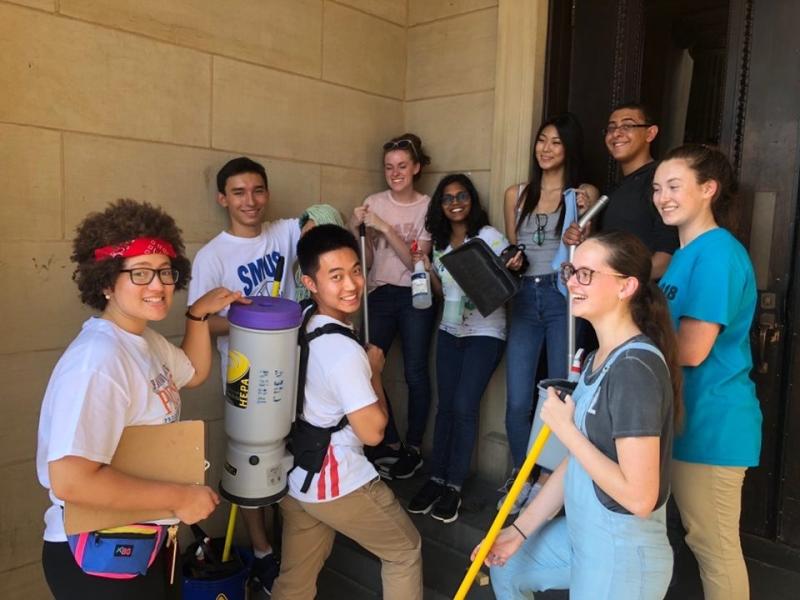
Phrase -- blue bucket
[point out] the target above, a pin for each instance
(230, 587)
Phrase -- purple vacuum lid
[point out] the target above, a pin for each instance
(266, 313)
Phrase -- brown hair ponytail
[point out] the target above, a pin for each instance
(649, 310)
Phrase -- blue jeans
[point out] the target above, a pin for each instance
(464, 366)
(390, 312)
(538, 316)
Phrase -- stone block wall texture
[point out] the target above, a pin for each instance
(147, 100)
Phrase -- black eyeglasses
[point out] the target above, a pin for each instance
(461, 197)
(539, 234)
(582, 274)
(403, 144)
(624, 128)
(143, 275)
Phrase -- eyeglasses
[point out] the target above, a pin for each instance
(461, 197)
(143, 275)
(403, 144)
(582, 274)
(624, 128)
(539, 234)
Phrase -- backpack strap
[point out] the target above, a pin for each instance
(303, 340)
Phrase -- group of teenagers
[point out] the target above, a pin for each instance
(664, 404)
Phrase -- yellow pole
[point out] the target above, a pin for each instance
(500, 519)
(226, 550)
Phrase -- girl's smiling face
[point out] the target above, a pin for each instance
(456, 202)
(399, 168)
(549, 149)
(678, 196)
(132, 306)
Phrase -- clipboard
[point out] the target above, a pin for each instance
(173, 452)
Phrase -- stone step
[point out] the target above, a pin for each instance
(443, 568)
(332, 585)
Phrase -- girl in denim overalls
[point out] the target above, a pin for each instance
(618, 425)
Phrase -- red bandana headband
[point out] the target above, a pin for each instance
(137, 247)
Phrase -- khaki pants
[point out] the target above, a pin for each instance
(372, 517)
(709, 499)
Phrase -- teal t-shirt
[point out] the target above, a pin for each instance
(712, 280)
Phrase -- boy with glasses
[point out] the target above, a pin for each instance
(628, 135)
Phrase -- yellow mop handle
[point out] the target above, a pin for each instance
(500, 519)
(226, 550)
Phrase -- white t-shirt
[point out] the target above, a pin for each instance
(246, 265)
(106, 380)
(472, 323)
(408, 221)
(337, 383)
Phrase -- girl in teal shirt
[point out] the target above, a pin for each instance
(711, 291)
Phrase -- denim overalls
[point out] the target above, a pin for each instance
(594, 552)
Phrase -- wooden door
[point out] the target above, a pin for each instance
(599, 54)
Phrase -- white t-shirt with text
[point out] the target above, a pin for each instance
(106, 380)
(246, 265)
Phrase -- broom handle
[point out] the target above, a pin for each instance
(226, 550)
(505, 508)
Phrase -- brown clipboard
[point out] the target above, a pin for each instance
(174, 452)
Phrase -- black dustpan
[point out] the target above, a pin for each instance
(482, 275)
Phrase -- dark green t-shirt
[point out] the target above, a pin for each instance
(634, 400)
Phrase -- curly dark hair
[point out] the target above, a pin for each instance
(122, 221)
(439, 225)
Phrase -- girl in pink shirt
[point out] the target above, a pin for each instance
(394, 219)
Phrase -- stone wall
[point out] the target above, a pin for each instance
(147, 100)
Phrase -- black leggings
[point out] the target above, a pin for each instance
(68, 582)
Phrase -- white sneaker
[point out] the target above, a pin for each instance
(521, 499)
(535, 489)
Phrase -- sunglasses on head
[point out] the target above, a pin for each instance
(403, 144)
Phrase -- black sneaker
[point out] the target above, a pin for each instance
(263, 572)
(409, 463)
(424, 499)
(446, 509)
(382, 456)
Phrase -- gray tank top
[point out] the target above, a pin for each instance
(538, 233)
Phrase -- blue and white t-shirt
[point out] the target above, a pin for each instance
(246, 265)
(712, 280)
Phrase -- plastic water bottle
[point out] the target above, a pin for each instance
(421, 296)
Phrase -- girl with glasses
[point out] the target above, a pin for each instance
(468, 348)
(618, 428)
(535, 215)
(395, 220)
(118, 372)
(711, 289)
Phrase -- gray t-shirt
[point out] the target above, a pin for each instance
(634, 400)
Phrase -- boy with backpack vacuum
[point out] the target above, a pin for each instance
(343, 399)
